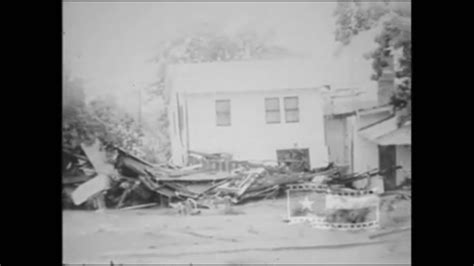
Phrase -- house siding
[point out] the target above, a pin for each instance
(366, 153)
(250, 137)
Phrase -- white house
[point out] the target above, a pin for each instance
(250, 109)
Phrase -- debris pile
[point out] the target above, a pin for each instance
(96, 176)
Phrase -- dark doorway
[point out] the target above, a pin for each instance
(296, 159)
(387, 163)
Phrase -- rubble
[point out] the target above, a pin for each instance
(110, 177)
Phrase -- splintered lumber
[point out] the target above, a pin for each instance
(214, 186)
(134, 157)
(198, 188)
(148, 182)
(132, 165)
(123, 197)
(192, 167)
(281, 179)
(154, 187)
(78, 156)
(181, 172)
(248, 181)
(90, 188)
(126, 193)
(180, 190)
(199, 177)
(98, 158)
(159, 171)
(75, 179)
(139, 206)
(165, 192)
(260, 194)
(355, 177)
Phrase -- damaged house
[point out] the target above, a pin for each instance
(253, 110)
(365, 134)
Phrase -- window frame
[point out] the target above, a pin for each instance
(295, 109)
(219, 113)
(276, 110)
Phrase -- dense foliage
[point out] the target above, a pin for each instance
(392, 20)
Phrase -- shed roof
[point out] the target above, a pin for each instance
(386, 132)
(380, 128)
(400, 136)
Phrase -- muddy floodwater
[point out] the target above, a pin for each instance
(254, 233)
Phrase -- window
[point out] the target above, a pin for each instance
(291, 110)
(272, 110)
(223, 112)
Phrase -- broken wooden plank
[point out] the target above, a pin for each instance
(157, 188)
(98, 158)
(181, 172)
(180, 190)
(214, 186)
(248, 182)
(78, 156)
(198, 188)
(75, 179)
(90, 188)
(132, 165)
(259, 194)
(139, 206)
(192, 167)
(166, 192)
(126, 193)
(134, 157)
(148, 182)
(200, 177)
(281, 179)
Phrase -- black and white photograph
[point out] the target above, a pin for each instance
(236, 132)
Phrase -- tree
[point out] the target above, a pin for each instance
(393, 23)
(100, 118)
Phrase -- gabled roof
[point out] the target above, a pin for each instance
(257, 75)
